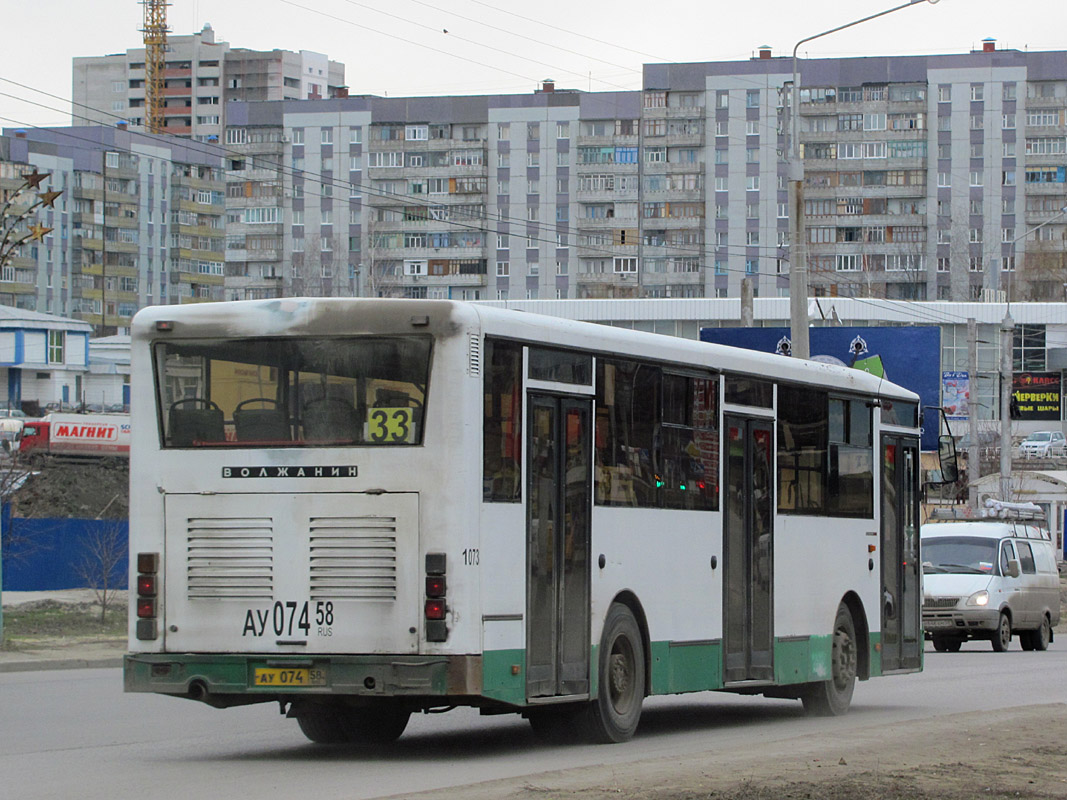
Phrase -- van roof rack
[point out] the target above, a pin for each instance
(1002, 509)
(992, 510)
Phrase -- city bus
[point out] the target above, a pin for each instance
(365, 508)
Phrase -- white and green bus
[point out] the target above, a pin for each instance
(364, 508)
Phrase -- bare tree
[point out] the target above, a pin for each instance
(101, 565)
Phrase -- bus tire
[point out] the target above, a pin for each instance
(323, 728)
(375, 725)
(833, 697)
(613, 714)
(556, 725)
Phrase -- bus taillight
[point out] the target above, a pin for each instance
(435, 606)
(147, 589)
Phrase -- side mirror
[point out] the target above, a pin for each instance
(946, 456)
(1013, 567)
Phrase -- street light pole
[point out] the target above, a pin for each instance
(1007, 337)
(798, 257)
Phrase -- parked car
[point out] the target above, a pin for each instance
(12, 421)
(1043, 444)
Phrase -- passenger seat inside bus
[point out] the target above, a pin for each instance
(194, 425)
(267, 424)
(330, 419)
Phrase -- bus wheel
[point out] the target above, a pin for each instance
(555, 725)
(1002, 635)
(323, 728)
(832, 698)
(377, 725)
(614, 713)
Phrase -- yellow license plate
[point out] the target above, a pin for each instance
(288, 678)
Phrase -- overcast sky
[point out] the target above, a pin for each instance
(404, 49)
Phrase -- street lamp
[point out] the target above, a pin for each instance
(798, 262)
(1007, 335)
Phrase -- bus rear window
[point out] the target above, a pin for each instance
(292, 392)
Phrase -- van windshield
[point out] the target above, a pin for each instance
(969, 555)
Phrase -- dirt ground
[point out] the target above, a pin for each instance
(96, 489)
(1015, 753)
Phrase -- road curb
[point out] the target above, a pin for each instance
(36, 665)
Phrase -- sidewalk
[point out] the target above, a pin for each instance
(68, 652)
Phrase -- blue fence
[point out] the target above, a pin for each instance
(46, 554)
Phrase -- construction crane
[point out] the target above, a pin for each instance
(155, 55)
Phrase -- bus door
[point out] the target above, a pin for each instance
(559, 472)
(748, 552)
(902, 640)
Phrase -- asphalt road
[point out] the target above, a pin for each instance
(75, 734)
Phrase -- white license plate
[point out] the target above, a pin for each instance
(939, 623)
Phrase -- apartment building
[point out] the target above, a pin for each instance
(921, 173)
(141, 221)
(200, 76)
(464, 197)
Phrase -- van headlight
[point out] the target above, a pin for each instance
(979, 599)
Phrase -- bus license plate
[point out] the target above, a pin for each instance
(289, 678)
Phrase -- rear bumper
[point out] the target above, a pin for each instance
(225, 679)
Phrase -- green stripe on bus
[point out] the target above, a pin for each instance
(500, 681)
(802, 660)
(686, 666)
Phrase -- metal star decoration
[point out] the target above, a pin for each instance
(49, 198)
(34, 179)
(38, 232)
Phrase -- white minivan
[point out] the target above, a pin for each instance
(989, 579)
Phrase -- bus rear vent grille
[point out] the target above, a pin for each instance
(230, 558)
(474, 354)
(353, 557)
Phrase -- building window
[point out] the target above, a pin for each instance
(56, 342)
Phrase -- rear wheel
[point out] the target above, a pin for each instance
(375, 725)
(556, 725)
(1002, 635)
(614, 713)
(1039, 639)
(944, 644)
(833, 697)
(322, 728)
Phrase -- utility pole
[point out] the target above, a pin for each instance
(798, 264)
(1007, 336)
(1007, 341)
(974, 453)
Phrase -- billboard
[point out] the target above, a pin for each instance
(1036, 395)
(956, 394)
(909, 356)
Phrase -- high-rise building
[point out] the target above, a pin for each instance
(200, 77)
(141, 221)
(921, 176)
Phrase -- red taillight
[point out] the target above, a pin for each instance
(435, 608)
(435, 585)
(147, 590)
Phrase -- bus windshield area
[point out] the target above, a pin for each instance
(292, 392)
(959, 554)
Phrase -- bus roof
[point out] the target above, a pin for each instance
(354, 316)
